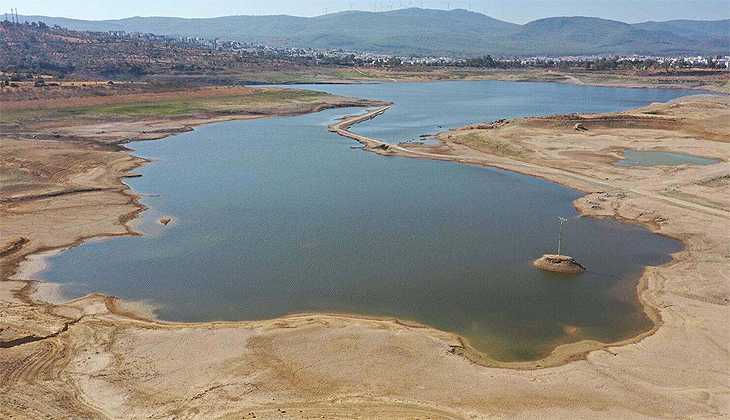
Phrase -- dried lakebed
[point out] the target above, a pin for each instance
(279, 216)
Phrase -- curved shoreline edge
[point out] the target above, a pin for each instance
(563, 353)
(657, 374)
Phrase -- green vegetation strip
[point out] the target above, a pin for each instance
(179, 106)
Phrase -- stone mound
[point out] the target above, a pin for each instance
(559, 264)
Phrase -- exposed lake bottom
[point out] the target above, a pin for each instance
(279, 216)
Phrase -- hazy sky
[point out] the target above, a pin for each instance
(518, 11)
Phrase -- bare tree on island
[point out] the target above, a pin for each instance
(557, 262)
(560, 235)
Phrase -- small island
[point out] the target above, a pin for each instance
(559, 264)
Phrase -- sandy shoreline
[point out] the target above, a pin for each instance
(400, 369)
(36, 262)
(95, 181)
(563, 353)
(632, 80)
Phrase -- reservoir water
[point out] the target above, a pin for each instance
(651, 158)
(279, 216)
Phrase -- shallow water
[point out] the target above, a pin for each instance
(277, 216)
(649, 158)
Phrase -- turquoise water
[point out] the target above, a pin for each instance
(279, 216)
(648, 158)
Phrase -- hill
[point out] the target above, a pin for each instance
(714, 28)
(42, 49)
(432, 32)
(587, 35)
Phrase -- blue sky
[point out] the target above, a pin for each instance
(518, 11)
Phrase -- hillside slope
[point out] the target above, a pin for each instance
(39, 49)
(430, 32)
(588, 35)
(714, 28)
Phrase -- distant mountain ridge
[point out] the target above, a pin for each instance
(715, 28)
(416, 31)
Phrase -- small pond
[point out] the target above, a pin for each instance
(649, 158)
